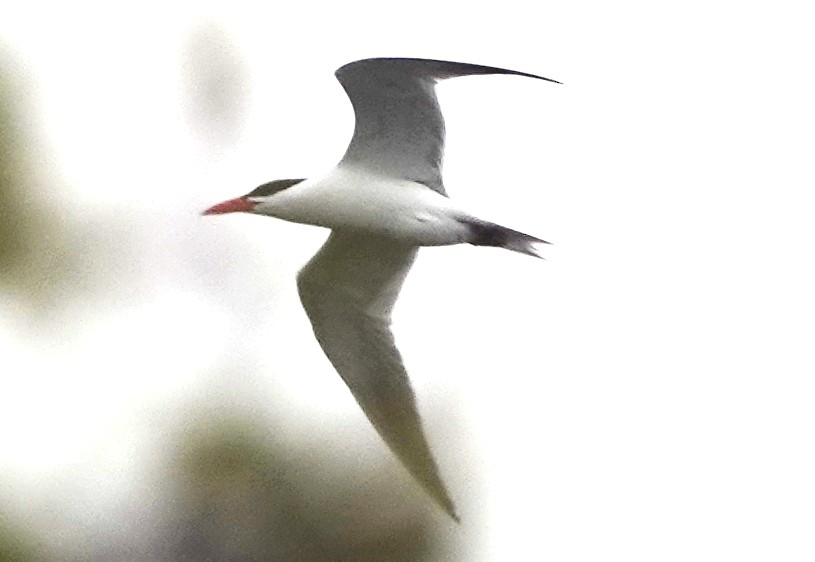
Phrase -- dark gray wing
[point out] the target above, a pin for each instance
(348, 290)
(399, 129)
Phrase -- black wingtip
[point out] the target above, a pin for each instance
(439, 69)
(446, 504)
(528, 75)
(438, 492)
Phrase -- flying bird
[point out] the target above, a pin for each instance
(382, 202)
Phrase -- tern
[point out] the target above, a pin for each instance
(383, 201)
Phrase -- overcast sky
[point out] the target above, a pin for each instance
(644, 394)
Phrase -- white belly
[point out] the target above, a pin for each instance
(350, 199)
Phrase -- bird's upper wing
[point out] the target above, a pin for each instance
(399, 129)
(348, 290)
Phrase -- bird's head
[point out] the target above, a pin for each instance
(253, 200)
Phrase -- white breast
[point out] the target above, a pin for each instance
(349, 198)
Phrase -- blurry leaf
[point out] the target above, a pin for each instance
(15, 545)
(48, 258)
(215, 84)
(245, 497)
(18, 219)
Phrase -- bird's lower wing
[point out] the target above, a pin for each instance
(348, 290)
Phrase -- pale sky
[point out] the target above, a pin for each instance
(644, 394)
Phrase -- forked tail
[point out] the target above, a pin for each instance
(490, 234)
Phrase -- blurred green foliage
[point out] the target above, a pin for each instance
(18, 221)
(38, 262)
(48, 258)
(16, 545)
(244, 496)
